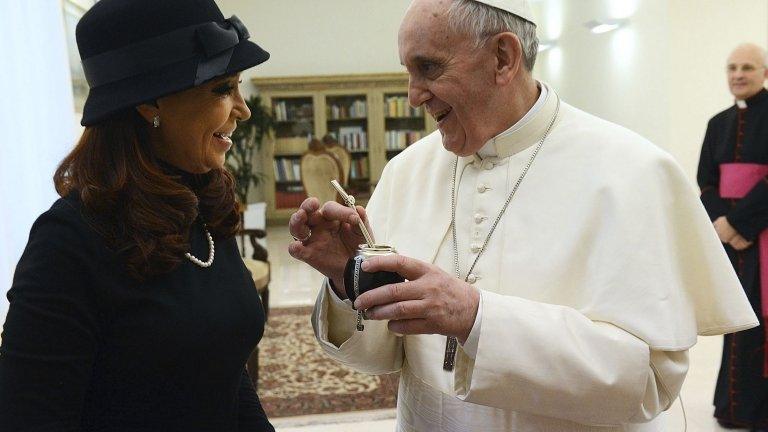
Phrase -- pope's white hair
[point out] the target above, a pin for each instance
(481, 21)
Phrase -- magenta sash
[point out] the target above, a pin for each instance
(736, 180)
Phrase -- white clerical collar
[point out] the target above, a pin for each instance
(741, 103)
(489, 148)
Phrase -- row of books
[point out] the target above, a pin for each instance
(290, 198)
(284, 111)
(357, 109)
(359, 169)
(353, 138)
(394, 106)
(397, 106)
(287, 169)
(400, 139)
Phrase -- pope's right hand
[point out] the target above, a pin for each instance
(327, 237)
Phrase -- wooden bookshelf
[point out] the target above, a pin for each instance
(369, 114)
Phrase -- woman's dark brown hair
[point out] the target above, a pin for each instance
(143, 212)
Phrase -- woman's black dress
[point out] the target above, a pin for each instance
(87, 348)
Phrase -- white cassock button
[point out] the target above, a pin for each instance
(476, 247)
(482, 188)
(479, 218)
(471, 278)
(487, 165)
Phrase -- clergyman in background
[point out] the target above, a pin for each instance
(733, 176)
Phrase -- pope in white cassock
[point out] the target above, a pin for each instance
(569, 258)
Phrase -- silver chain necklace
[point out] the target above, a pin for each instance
(451, 343)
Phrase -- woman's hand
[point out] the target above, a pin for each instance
(327, 237)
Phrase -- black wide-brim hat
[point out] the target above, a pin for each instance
(135, 51)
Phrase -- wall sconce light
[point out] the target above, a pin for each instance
(605, 26)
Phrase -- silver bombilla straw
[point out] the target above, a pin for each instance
(350, 200)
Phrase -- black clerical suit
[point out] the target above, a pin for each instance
(740, 135)
(87, 348)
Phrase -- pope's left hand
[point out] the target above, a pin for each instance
(430, 301)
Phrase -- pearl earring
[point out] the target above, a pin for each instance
(156, 121)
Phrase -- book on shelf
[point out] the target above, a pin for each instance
(398, 106)
(285, 111)
(287, 169)
(279, 175)
(400, 139)
(356, 110)
(289, 199)
(279, 111)
(297, 170)
(359, 169)
(353, 138)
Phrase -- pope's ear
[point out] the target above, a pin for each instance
(509, 56)
(147, 111)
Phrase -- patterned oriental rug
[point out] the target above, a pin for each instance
(297, 378)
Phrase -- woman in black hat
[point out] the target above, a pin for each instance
(131, 308)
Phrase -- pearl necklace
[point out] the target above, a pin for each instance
(211, 252)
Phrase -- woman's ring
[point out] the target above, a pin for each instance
(305, 238)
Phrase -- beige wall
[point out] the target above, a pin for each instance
(661, 75)
(698, 50)
(621, 75)
(322, 37)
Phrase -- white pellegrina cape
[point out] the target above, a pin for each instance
(601, 274)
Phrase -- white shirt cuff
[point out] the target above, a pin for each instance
(335, 297)
(473, 340)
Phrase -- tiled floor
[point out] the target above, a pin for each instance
(294, 283)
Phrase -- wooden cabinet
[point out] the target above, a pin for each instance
(368, 114)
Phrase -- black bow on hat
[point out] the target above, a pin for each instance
(195, 45)
(215, 37)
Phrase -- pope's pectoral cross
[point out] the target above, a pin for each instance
(450, 353)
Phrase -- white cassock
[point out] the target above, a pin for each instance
(594, 285)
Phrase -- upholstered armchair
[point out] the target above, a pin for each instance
(345, 161)
(318, 168)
